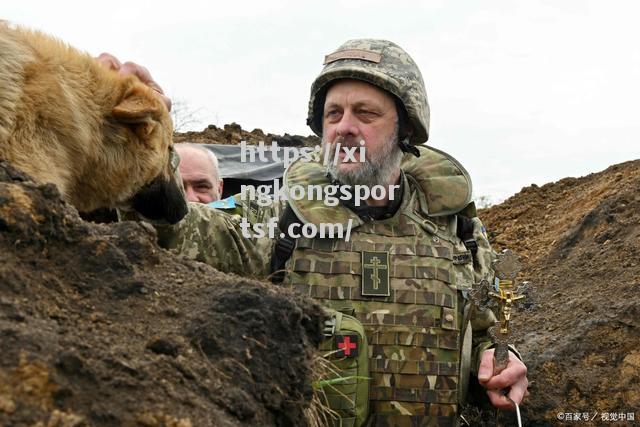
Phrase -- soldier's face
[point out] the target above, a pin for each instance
(356, 111)
(200, 179)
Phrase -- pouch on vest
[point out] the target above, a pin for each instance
(347, 349)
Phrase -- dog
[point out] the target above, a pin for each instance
(103, 139)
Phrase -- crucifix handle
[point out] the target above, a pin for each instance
(500, 358)
(501, 348)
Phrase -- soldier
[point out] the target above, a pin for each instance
(405, 274)
(200, 173)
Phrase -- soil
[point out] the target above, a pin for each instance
(233, 134)
(579, 239)
(100, 326)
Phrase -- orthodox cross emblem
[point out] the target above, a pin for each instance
(375, 274)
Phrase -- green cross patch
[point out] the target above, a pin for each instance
(375, 274)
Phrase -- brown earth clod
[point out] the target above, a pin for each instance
(101, 327)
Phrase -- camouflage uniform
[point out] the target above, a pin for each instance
(424, 339)
(419, 336)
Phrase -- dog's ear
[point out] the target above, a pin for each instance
(140, 109)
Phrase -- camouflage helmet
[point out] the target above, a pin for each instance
(383, 64)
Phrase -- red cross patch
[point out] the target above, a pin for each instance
(347, 345)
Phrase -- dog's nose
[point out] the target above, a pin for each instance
(161, 200)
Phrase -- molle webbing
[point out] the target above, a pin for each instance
(413, 333)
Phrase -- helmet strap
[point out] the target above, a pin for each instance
(406, 147)
(405, 129)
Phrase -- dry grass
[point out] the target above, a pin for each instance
(319, 414)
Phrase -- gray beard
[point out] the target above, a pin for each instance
(375, 170)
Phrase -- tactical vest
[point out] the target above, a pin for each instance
(404, 279)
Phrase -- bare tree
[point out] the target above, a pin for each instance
(184, 116)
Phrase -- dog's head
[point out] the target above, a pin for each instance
(140, 126)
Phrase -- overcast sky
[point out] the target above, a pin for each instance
(521, 92)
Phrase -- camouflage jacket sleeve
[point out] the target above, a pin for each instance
(216, 237)
(482, 320)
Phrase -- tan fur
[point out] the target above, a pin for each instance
(65, 119)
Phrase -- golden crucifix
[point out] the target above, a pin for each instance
(503, 297)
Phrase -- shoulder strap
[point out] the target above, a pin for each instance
(284, 246)
(465, 233)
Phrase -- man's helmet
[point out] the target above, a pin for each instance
(380, 63)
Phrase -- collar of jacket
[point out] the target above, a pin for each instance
(443, 184)
(374, 213)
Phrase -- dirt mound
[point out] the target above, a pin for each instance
(233, 134)
(580, 238)
(99, 326)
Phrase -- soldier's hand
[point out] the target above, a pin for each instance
(513, 377)
(111, 62)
